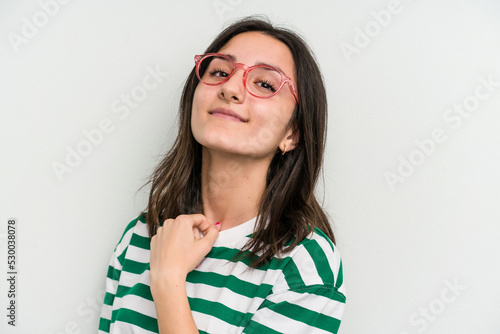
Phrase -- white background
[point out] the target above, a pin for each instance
(420, 256)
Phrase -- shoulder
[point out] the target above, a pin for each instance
(315, 261)
(135, 229)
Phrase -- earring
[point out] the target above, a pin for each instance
(284, 150)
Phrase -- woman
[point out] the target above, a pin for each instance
(233, 239)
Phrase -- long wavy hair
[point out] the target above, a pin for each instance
(289, 210)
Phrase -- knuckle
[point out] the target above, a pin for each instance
(182, 218)
(167, 221)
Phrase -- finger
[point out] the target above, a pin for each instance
(197, 220)
(196, 232)
(209, 238)
(166, 222)
(202, 223)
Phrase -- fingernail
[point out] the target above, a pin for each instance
(218, 225)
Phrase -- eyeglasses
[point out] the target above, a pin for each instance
(261, 81)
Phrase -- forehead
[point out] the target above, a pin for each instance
(255, 47)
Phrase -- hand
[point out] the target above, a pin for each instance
(177, 248)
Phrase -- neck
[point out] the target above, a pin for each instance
(232, 187)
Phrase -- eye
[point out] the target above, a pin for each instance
(265, 84)
(265, 80)
(218, 72)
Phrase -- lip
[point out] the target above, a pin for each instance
(227, 113)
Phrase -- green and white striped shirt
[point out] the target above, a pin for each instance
(301, 293)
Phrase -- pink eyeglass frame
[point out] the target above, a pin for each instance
(284, 78)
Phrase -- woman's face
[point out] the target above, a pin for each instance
(261, 125)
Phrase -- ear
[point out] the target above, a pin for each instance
(290, 140)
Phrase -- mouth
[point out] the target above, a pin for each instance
(227, 114)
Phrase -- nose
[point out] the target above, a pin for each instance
(233, 89)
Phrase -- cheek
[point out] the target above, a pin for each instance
(197, 98)
(277, 118)
(195, 111)
(199, 103)
(271, 124)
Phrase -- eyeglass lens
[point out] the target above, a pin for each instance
(261, 81)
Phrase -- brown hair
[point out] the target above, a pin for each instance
(288, 204)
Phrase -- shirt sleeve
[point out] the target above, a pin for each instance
(310, 296)
(113, 277)
(309, 310)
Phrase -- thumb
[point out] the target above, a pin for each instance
(210, 237)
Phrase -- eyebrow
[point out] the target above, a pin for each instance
(233, 58)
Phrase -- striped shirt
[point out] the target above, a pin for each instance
(302, 292)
